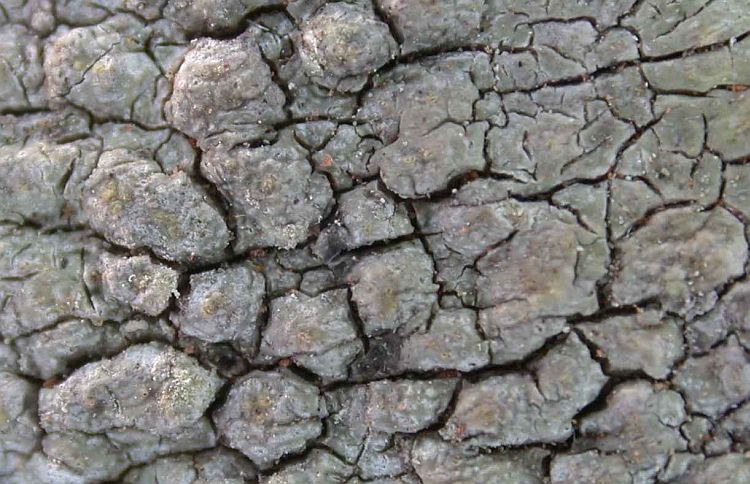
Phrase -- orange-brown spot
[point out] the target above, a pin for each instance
(49, 383)
(67, 212)
(327, 161)
(256, 252)
(445, 374)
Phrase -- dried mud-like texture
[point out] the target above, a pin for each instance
(386, 241)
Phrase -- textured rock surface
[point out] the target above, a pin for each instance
(393, 289)
(218, 465)
(518, 409)
(107, 70)
(144, 285)
(365, 215)
(640, 423)
(274, 196)
(146, 387)
(680, 257)
(644, 341)
(270, 414)
(441, 462)
(217, 101)
(714, 383)
(343, 43)
(374, 241)
(223, 305)
(317, 333)
(132, 203)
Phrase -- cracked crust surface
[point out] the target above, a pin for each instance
(386, 241)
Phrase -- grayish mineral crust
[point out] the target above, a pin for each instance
(374, 241)
(420, 164)
(444, 463)
(342, 44)
(132, 203)
(147, 387)
(106, 70)
(217, 465)
(33, 182)
(405, 405)
(589, 467)
(268, 415)
(733, 468)
(562, 134)
(393, 289)
(318, 333)
(223, 93)
(452, 342)
(714, 383)
(108, 415)
(365, 215)
(319, 467)
(424, 25)
(729, 315)
(517, 409)
(53, 351)
(680, 257)
(49, 278)
(143, 284)
(644, 341)
(640, 423)
(19, 429)
(223, 305)
(274, 196)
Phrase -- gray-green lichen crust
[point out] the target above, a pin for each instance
(374, 241)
